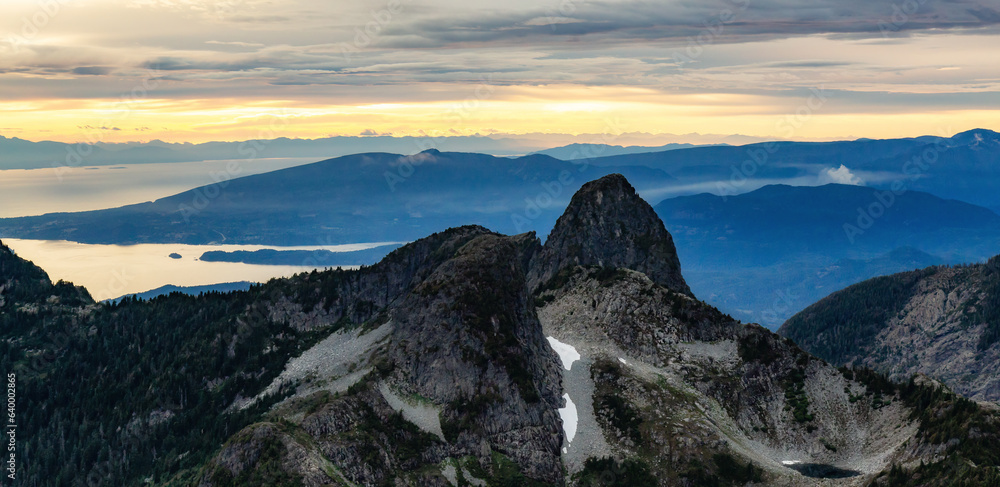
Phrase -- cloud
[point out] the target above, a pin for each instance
(986, 14)
(92, 70)
(254, 19)
(840, 175)
(235, 43)
(103, 127)
(720, 21)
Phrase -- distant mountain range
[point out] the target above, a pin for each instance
(760, 251)
(23, 154)
(965, 166)
(16, 153)
(584, 151)
(351, 199)
(767, 254)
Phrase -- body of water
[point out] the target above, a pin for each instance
(28, 192)
(110, 271)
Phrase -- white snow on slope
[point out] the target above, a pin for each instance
(569, 418)
(566, 352)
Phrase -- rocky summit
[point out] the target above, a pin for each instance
(608, 225)
(468, 358)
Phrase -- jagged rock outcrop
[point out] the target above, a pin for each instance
(941, 321)
(607, 224)
(359, 296)
(468, 338)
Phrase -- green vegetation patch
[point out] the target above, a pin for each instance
(726, 471)
(608, 472)
(796, 399)
(621, 415)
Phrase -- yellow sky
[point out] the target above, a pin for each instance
(608, 110)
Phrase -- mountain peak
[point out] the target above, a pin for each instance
(975, 138)
(608, 224)
(612, 182)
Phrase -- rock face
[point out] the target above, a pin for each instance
(357, 297)
(607, 224)
(469, 334)
(943, 322)
(466, 348)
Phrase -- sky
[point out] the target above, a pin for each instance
(197, 70)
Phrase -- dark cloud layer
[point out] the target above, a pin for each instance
(717, 20)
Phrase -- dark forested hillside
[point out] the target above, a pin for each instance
(940, 321)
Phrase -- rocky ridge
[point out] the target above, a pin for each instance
(941, 322)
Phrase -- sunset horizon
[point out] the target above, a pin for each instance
(198, 71)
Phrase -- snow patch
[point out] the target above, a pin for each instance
(569, 418)
(622, 360)
(566, 353)
(427, 417)
(790, 462)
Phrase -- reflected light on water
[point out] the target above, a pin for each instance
(110, 271)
